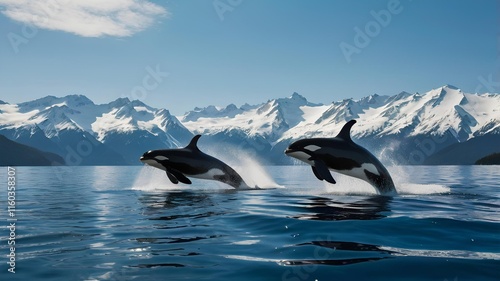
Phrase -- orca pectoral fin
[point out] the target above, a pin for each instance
(321, 171)
(172, 178)
(179, 177)
(316, 173)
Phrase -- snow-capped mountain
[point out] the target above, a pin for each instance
(269, 120)
(84, 133)
(404, 128)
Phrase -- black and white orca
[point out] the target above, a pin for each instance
(342, 155)
(190, 161)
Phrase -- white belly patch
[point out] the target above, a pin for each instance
(210, 174)
(155, 164)
(359, 172)
(302, 156)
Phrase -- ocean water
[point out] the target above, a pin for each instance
(131, 223)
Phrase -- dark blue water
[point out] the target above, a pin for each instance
(130, 223)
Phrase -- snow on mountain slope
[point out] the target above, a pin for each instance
(125, 116)
(326, 121)
(54, 120)
(432, 113)
(270, 119)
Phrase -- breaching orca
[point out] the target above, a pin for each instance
(190, 161)
(342, 155)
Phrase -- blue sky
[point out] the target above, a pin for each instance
(180, 54)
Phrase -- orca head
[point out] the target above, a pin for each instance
(305, 149)
(168, 158)
(155, 158)
(302, 150)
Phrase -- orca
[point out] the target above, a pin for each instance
(190, 161)
(342, 155)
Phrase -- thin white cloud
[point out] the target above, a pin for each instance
(88, 18)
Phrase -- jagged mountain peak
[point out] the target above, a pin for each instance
(374, 100)
(211, 111)
(77, 100)
(294, 100)
(296, 97)
(141, 106)
(119, 102)
(401, 96)
(163, 112)
(71, 101)
(40, 103)
(451, 87)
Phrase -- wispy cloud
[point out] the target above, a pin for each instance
(88, 18)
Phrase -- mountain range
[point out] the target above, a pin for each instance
(441, 126)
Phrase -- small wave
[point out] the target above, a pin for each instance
(455, 254)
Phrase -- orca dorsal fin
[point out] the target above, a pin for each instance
(345, 133)
(193, 144)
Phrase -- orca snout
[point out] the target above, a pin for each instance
(294, 147)
(145, 156)
(143, 159)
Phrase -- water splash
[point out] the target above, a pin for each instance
(401, 177)
(347, 185)
(401, 174)
(247, 165)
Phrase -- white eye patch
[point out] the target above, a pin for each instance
(312, 147)
(161, 158)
